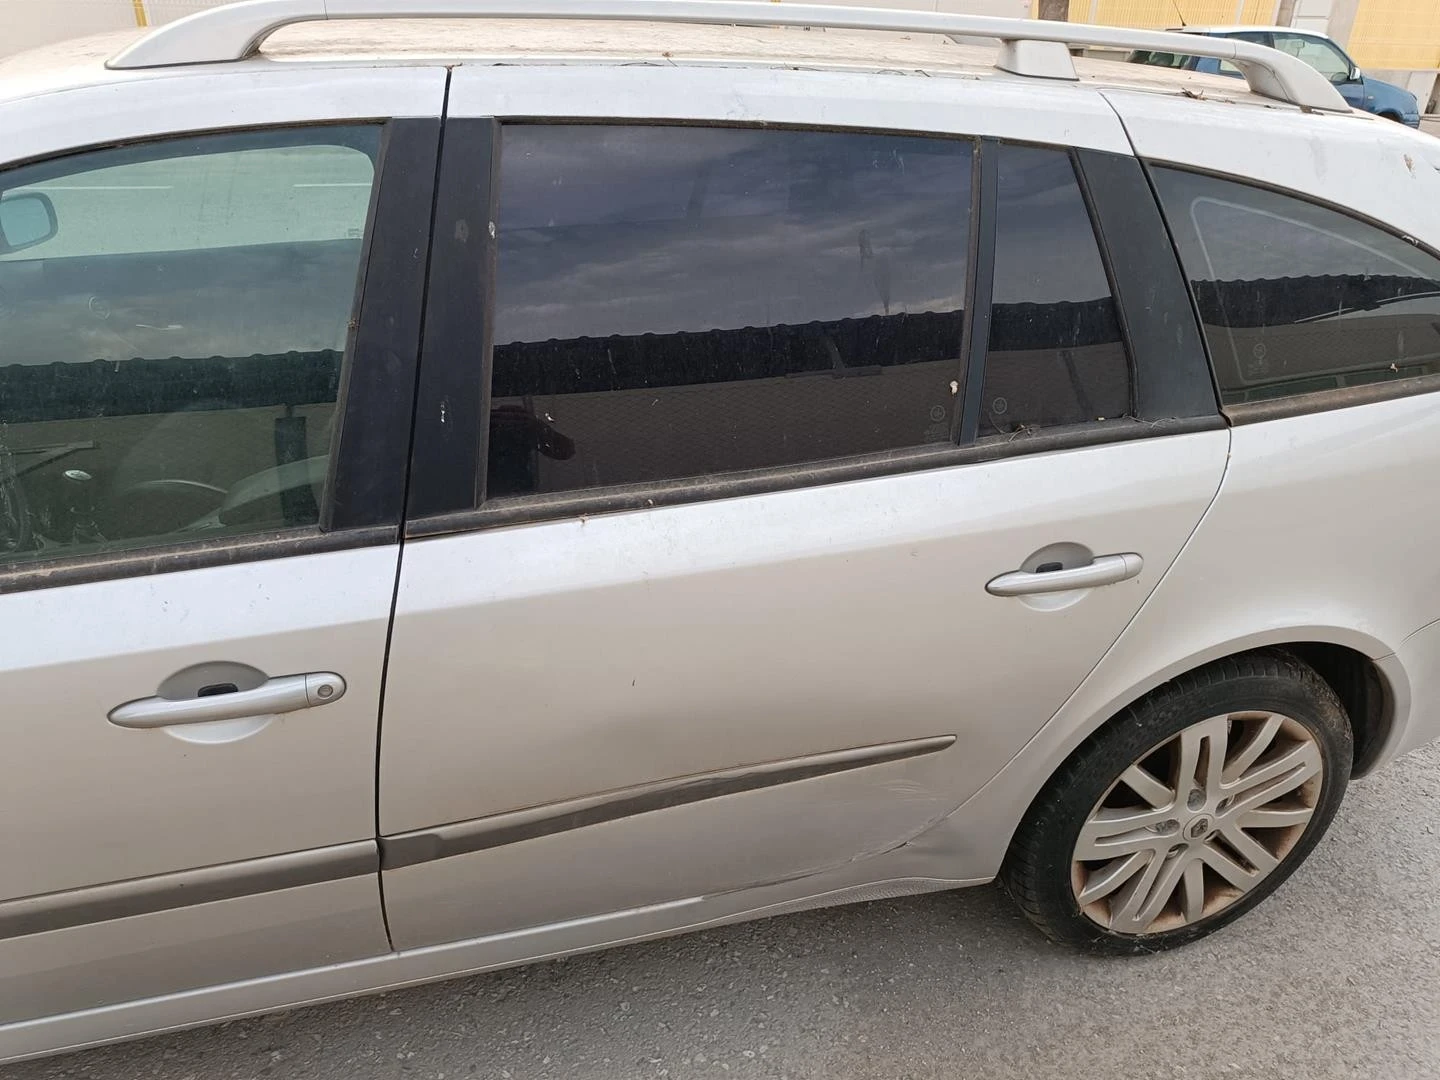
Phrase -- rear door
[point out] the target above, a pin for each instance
(743, 457)
(205, 391)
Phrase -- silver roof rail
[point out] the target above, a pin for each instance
(1028, 46)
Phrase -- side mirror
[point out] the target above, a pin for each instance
(1340, 78)
(26, 219)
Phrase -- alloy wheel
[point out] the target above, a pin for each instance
(1197, 822)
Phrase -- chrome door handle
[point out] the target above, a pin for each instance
(1102, 570)
(287, 693)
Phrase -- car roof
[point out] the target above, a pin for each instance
(81, 62)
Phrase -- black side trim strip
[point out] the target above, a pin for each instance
(196, 555)
(377, 395)
(1253, 412)
(986, 194)
(533, 508)
(1172, 369)
(451, 426)
(466, 837)
(167, 892)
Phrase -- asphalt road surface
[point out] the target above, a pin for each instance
(1338, 975)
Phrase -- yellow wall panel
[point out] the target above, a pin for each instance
(1395, 35)
(1156, 14)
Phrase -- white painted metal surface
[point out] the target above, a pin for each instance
(1375, 167)
(1047, 112)
(204, 100)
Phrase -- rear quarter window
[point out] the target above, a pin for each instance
(1295, 297)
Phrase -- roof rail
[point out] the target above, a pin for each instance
(1028, 46)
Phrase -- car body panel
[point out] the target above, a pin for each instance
(1412, 675)
(202, 100)
(739, 95)
(899, 873)
(720, 634)
(1208, 607)
(1308, 154)
(99, 964)
(106, 804)
(326, 612)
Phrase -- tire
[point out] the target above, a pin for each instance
(1282, 799)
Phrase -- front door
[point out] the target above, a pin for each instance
(200, 470)
(729, 613)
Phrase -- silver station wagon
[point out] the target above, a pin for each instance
(483, 481)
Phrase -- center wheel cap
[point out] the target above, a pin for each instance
(1199, 828)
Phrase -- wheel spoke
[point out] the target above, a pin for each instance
(1144, 784)
(1228, 868)
(1107, 879)
(1136, 905)
(1250, 849)
(1250, 752)
(1296, 765)
(1202, 756)
(1169, 879)
(1192, 890)
(1111, 832)
(1270, 818)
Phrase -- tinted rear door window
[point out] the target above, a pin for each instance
(682, 301)
(1056, 353)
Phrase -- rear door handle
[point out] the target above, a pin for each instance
(288, 693)
(1102, 570)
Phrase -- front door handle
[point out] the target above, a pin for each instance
(287, 693)
(1102, 570)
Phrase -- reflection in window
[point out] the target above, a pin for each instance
(677, 301)
(1297, 298)
(170, 359)
(1056, 355)
(1320, 55)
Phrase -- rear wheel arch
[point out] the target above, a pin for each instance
(1368, 698)
(1347, 666)
(1373, 701)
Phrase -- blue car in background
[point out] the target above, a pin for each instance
(1317, 50)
